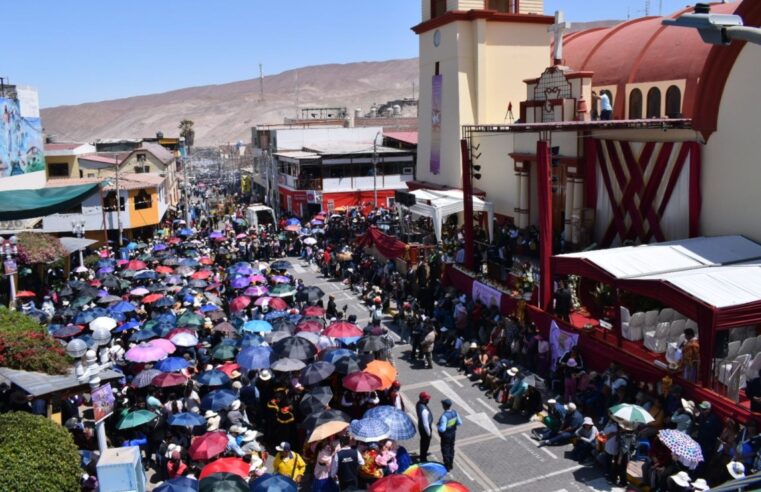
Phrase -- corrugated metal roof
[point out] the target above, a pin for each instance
(72, 244)
(39, 384)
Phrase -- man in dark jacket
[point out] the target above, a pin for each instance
(424, 424)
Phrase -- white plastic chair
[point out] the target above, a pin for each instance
(632, 329)
(651, 320)
(624, 314)
(737, 334)
(656, 341)
(678, 315)
(758, 345)
(676, 329)
(723, 367)
(748, 346)
(692, 324)
(666, 314)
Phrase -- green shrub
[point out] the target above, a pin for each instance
(37, 454)
(16, 322)
(26, 345)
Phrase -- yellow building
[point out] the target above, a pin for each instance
(62, 159)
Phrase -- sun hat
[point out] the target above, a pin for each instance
(250, 435)
(588, 421)
(682, 479)
(571, 407)
(736, 469)
(705, 405)
(700, 484)
(265, 375)
(210, 414)
(689, 406)
(512, 371)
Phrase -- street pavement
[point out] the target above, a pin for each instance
(494, 450)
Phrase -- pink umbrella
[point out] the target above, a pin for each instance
(145, 353)
(256, 291)
(263, 301)
(240, 303)
(241, 236)
(140, 291)
(258, 278)
(164, 344)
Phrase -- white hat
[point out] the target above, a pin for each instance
(512, 371)
(571, 407)
(736, 469)
(237, 385)
(235, 405)
(587, 421)
(237, 429)
(571, 363)
(551, 401)
(682, 479)
(265, 375)
(210, 413)
(473, 345)
(250, 435)
(700, 484)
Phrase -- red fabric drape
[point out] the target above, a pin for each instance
(544, 193)
(388, 246)
(695, 196)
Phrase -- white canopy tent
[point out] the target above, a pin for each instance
(440, 204)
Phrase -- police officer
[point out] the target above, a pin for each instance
(447, 427)
(424, 424)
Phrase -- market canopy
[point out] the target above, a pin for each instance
(440, 204)
(27, 204)
(74, 244)
(38, 384)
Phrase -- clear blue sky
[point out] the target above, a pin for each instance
(87, 50)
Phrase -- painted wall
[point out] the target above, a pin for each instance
(92, 214)
(22, 159)
(731, 165)
(70, 161)
(146, 216)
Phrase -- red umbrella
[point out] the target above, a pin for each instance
(207, 446)
(206, 261)
(229, 367)
(174, 240)
(136, 265)
(311, 326)
(201, 275)
(277, 304)
(362, 382)
(343, 329)
(161, 270)
(168, 379)
(26, 293)
(393, 483)
(236, 466)
(239, 303)
(313, 311)
(151, 298)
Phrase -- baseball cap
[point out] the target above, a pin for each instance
(424, 396)
(283, 446)
(705, 405)
(446, 402)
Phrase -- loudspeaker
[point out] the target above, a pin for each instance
(405, 198)
(721, 349)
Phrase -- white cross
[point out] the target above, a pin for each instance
(557, 29)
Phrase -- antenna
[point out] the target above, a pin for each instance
(261, 83)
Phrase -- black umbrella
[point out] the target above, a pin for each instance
(77, 284)
(371, 344)
(68, 312)
(111, 282)
(222, 482)
(294, 348)
(66, 292)
(316, 372)
(315, 401)
(89, 291)
(323, 417)
(281, 265)
(310, 294)
(346, 365)
(108, 299)
(158, 287)
(167, 301)
(283, 324)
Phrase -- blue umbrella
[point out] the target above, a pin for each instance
(123, 307)
(84, 317)
(293, 221)
(143, 335)
(172, 280)
(160, 247)
(243, 270)
(218, 400)
(146, 275)
(273, 483)
(145, 378)
(189, 262)
(166, 318)
(215, 377)
(164, 302)
(179, 484)
(257, 326)
(185, 232)
(172, 364)
(240, 282)
(251, 340)
(281, 265)
(209, 307)
(400, 424)
(127, 326)
(132, 246)
(105, 263)
(333, 355)
(369, 430)
(255, 357)
(104, 270)
(186, 419)
(67, 331)
(275, 315)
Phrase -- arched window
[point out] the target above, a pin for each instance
(635, 104)
(654, 103)
(674, 102)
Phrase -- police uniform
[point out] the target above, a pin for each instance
(447, 426)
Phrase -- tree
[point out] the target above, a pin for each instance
(38, 454)
(186, 131)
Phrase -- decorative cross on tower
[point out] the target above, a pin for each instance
(557, 30)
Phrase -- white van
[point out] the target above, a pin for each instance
(260, 214)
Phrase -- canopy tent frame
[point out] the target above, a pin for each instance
(440, 204)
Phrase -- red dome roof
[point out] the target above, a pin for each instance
(642, 50)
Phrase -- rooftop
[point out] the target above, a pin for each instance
(404, 137)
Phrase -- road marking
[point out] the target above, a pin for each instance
(538, 478)
(480, 419)
(425, 384)
(546, 451)
(470, 477)
(452, 379)
(298, 269)
(529, 449)
(505, 432)
(489, 407)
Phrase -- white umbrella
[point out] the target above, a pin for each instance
(310, 241)
(103, 322)
(184, 339)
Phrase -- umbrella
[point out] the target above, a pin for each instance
(215, 377)
(169, 379)
(257, 326)
(361, 382)
(281, 265)
(347, 365)
(324, 431)
(287, 365)
(143, 335)
(426, 473)
(631, 413)
(179, 484)
(135, 419)
(108, 299)
(255, 357)
(173, 279)
(316, 372)
(145, 378)
(282, 290)
(276, 303)
(446, 486)
(190, 319)
(218, 399)
(239, 303)
(240, 282)
(225, 328)
(384, 370)
(165, 344)
(236, 466)
(26, 293)
(184, 339)
(685, 448)
(136, 265)
(145, 353)
(310, 326)
(103, 322)
(139, 291)
(282, 322)
(400, 424)
(343, 329)
(309, 241)
(202, 275)
(123, 307)
(229, 368)
(273, 483)
(371, 344)
(67, 331)
(146, 275)
(369, 430)
(151, 298)
(223, 352)
(172, 364)
(310, 294)
(209, 445)
(186, 419)
(395, 483)
(258, 278)
(333, 355)
(295, 348)
(280, 279)
(314, 402)
(252, 340)
(324, 416)
(165, 301)
(256, 291)
(164, 270)
(216, 235)
(313, 311)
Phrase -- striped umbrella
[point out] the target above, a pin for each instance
(369, 430)
(395, 483)
(144, 378)
(399, 423)
(631, 413)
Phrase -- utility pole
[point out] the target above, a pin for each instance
(186, 180)
(375, 171)
(119, 207)
(261, 83)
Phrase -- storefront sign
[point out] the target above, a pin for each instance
(102, 402)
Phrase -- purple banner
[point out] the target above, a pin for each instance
(436, 124)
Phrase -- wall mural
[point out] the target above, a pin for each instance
(21, 140)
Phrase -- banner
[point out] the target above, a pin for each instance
(102, 402)
(436, 124)
(560, 342)
(489, 296)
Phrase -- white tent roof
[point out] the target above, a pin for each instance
(439, 204)
(632, 262)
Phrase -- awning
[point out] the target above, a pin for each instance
(27, 204)
(73, 244)
(439, 204)
(39, 384)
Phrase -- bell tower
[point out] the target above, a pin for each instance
(474, 57)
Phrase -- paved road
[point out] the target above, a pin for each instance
(494, 449)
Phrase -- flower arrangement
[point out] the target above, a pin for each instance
(573, 286)
(526, 280)
(26, 345)
(39, 248)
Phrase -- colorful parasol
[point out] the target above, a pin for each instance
(384, 370)
(685, 448)
(426, 473)
(446, 486)
(395, 483)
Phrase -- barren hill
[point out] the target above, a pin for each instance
(226, 112)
